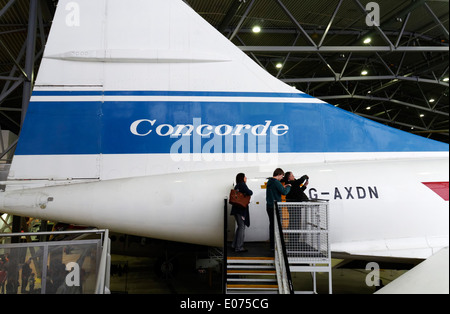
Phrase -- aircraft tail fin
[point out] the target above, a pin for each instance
(122, 80)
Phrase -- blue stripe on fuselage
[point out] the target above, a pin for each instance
(95, 127)
(171, 93)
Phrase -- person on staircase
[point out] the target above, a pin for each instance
(241, 214)
(297, 194)
(298, 187)
(274, 191)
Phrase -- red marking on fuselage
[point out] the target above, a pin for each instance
(440, 188)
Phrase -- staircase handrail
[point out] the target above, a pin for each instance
(284, 277)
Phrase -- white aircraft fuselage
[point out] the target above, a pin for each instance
(143, 114)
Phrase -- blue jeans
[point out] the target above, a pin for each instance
(238, 242)
(270, 212)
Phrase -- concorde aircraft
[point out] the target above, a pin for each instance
(142, 114)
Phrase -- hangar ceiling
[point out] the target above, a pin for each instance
(318, 46)
(399, 78)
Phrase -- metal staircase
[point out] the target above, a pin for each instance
(251, 275)
(304, 229)
(301, 245)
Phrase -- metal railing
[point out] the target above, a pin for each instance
(225, 245)
(305, 230)
(103, 277)
(74, 265)
(285, 285)
(305, 233)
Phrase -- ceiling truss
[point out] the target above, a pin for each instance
(340, 81)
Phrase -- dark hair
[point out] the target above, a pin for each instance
(240, 178)
(286, 177)
(278, 172)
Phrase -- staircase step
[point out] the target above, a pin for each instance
(253, 258)
(252, 287)
(250, 260)
(255, 267)
(252, 292)
(252, 280)
(251, 272)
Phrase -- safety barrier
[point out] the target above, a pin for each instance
(282, 267)
(68, 264)
(305, 230)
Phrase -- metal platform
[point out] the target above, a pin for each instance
(301, 245)
(72, 262)
(305, 230)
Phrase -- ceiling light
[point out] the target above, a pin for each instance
(422, 115)
(256, 29)
(364, 72)
(445, 79)
(432, 100)
(279, 65)
(367, 40)
(368, 108)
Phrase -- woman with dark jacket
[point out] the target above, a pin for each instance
(241, 214)
(298, 187)
(296, 194)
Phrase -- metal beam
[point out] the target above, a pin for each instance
(364, 78)
(13, 121)
(6, 93)
(10, 78)
(334, 49)
(29, 58)
(297, 24)
(395, 101)
(330, 23)
(400, 35)
(16, 63)
(436, 19)
(14, 69)
(241, 21)
(6, 151)
(6, 7)
(343, 32)
(287, 57)
(379, 30)
(392, 121)
(235, 6)
(10, 109)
